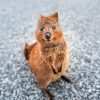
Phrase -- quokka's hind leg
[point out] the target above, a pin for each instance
(51, 97)
(65, 78)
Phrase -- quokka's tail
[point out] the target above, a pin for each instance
(27, 51)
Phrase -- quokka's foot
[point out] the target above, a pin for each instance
(51, 97)
(66, 79)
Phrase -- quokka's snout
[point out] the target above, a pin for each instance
(48, 36)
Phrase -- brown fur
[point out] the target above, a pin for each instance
(48, 60)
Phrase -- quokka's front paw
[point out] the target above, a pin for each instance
(57, 70)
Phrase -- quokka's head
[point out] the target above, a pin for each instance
(48, 29)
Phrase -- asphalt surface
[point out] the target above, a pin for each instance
(80, 21)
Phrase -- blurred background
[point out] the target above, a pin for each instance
(80, 21)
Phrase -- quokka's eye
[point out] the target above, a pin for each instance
(53, 27)
(42, 29)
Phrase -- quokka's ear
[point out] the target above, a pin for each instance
(42, 17)
(55, 16)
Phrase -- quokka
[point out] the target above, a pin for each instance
(48, 58)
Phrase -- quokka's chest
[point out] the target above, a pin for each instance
(54, 52)
(56, 57)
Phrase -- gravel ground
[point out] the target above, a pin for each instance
(80, 20)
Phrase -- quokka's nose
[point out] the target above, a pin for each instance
(47, 35)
